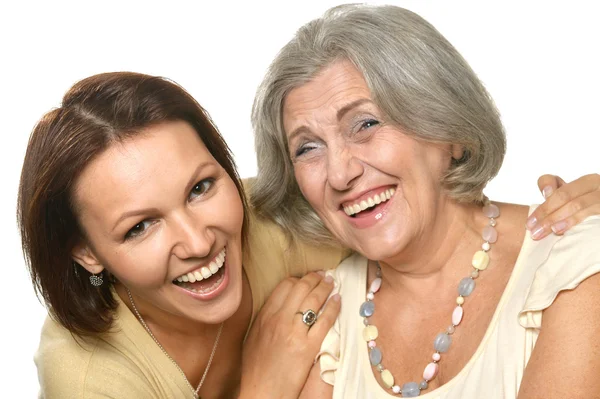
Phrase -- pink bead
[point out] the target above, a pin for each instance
(370, 296)
(436, 357)
(375, 285)
(491, 211)
(372, 344)
(457, 315)
(489, 234)
(430, 371)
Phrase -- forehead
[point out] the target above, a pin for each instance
(144, 165)
(335, 86)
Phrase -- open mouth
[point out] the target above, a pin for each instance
(206, 278)
(368, 205)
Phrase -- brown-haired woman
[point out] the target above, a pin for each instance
(133, 221)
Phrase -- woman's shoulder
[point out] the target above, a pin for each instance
(562, 263)
(70, 366)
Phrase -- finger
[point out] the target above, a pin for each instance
(548, 184)
(317, 297)
(568, 215)
(561, 197)
(326, 319)
(301, 289)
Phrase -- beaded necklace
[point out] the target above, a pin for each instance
(442, 341)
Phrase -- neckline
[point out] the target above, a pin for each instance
(506, 294)
(133, 329)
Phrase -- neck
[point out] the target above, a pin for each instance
(160, 321)
(440, 252)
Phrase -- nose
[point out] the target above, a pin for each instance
(192, 237)
(343, 168)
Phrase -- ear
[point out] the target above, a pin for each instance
(83, 255)
(457, 151)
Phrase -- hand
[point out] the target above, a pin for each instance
(280, 349)
(566, 205)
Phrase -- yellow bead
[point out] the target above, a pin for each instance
(481, 260)
(460, 300)
(370, 333)
(387, 378)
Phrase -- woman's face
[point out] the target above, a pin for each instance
(158, 210)
(348, 157)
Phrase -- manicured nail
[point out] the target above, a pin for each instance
(329, 279)
(531, 222)
(547, 191)
(537, 233)
(559, 227)
(336, 297)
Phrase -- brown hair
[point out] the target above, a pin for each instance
(95, 113)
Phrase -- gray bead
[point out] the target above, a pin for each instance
(367, 309)
(423, 385)
(375, 356)
(410, 390)
(442, 342)
(466, 286)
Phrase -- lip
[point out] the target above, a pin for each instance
(364, 221)
(364, 195)
(207, 296)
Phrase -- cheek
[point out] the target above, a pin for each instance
(229, 209)
(308, 178)
(144, 264)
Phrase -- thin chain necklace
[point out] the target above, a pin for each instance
(210, 359)
(442, 341)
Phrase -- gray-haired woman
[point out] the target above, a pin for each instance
(385, 138)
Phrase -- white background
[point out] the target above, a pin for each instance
(539, 61)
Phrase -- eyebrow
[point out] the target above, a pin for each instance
(340, 114)
(145, 211)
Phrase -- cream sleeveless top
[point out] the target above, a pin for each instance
(543, 269)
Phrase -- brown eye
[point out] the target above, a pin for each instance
(201, 187)
(137, 230)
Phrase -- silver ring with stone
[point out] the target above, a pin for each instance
(309, 317)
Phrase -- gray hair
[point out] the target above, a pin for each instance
(416, 77)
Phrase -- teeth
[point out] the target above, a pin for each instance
(205, 271)
(213, 267)
(369, 202)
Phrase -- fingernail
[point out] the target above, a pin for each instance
(537, 233)
(559, 227)
(531, 222)
(321, 273)
(328, 279)
(336, 297)
(547, 191)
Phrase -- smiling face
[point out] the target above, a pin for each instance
(160, 213)
(374, 187)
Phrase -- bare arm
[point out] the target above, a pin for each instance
(566, 360)
(315, 387)
(280, 348)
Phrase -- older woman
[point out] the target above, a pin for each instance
(384, 138)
